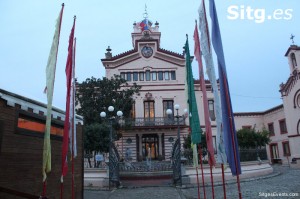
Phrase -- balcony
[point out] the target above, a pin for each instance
(153, 122)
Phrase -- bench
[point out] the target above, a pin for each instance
(294, 160)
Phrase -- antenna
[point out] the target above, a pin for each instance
(145, 13)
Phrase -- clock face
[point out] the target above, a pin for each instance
(147, 51)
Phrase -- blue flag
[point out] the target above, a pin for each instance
(230, 138)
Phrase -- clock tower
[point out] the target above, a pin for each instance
(161, 74)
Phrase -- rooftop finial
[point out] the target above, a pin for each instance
(292, 38)
(145, 13)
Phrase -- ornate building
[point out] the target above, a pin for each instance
(162, 74)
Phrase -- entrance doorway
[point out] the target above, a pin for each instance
(274, 153)
(150, 146)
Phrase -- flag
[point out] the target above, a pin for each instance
(195, 154)
(210, 70)
(230, 137)
(72, 129)
(145, 24)
(67, 126)
(50, 78)
(193, 110)
(209, 138)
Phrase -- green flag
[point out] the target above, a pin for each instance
(193, 110)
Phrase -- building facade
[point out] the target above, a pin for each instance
(282, 121)
(162, 74)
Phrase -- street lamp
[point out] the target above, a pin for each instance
(169, 112)
(111, 156)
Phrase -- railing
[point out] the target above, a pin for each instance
(246, 155)
(145, 166)
(253, 154)
(176, 163)
(156, 121)
(113, 164)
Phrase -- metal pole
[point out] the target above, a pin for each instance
(179, 143)
(223, 180)
(201, 165)
(110, 152)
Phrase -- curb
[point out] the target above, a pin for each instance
(274, 174)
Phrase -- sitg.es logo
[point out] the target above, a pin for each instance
(258, 15)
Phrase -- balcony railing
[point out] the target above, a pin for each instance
(149, 122)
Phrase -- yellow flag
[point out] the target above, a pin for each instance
(195, 154)
(50, 77)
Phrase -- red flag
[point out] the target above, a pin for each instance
(69, 90)
(209, 140)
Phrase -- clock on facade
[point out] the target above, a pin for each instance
(147, 51)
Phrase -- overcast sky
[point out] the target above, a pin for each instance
(255, 33)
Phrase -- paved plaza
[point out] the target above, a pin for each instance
(284, 182)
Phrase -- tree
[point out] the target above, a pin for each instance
(188, 151)
(95, 138)
(96, 95)
(263, 138)
(249, 138)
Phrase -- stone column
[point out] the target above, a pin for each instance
(140, 144)
(159, 144)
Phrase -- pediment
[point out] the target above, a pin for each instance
(148, 51)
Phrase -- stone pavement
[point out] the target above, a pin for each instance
(283, 183)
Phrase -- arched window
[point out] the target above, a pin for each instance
(294, 61)
(297, 99)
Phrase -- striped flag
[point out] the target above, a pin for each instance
(230, 137)
(50, 78)
(210, 70)
(72, 130)
(193, 110)
(67, 126)
(209, 138)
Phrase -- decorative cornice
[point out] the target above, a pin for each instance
(163, 58)
(181, 56)
(286, 88)
(121, 55)
(130, 52)
(292, 136)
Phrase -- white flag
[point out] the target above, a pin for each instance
(210, 70)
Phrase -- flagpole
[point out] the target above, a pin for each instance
(223, 180)
(212, 182)
(201, 165)
(232, 138)
(51, 68)
(228, 121)
(72, 159)
(73, 119)
(68, 70)
(210, 149)
(198, 185)
(44, 189)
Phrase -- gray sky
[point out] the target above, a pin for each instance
(254, 46)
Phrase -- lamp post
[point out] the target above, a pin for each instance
(169, 112)
(111, 119)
